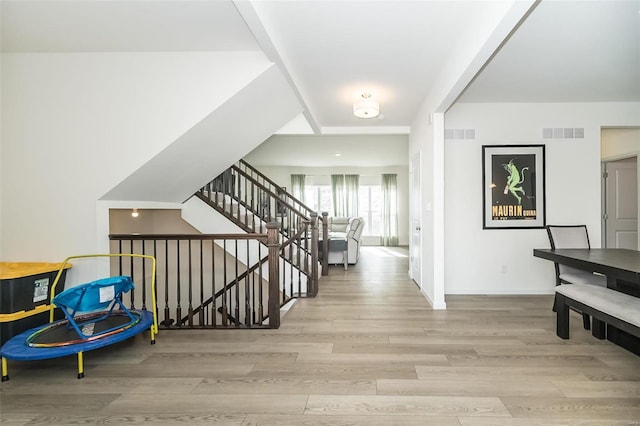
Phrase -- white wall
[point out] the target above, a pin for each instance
(501, 261)
(422, 140)
(149, 221)
(76, 124)
(618, 143)
(208, 148)
(1, 132)
(368, 175)
(466, 59)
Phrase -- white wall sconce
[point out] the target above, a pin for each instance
(134, 213)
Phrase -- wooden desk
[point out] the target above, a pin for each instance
(620, 266)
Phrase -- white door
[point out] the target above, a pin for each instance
(621, 203)
(415, 219)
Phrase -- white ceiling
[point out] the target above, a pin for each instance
(565, 51)
(337, 50)
(123, 26)
(332, 151)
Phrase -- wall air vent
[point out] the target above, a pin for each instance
(459, 134)
(563, 133)
(469, 133)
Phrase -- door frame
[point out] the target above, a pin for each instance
(415, 208)
(603, 191)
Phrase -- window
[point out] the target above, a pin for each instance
(370, 206)
(318, 197)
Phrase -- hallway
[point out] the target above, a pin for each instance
(368, 350)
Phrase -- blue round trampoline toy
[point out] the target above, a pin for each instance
(95, 316)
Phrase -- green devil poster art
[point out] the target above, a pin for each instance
(513, 193)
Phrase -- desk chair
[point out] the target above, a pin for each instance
(573, 236)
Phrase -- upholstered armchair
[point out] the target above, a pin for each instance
(349, 228)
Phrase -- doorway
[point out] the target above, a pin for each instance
(415, 220)
(620, 203)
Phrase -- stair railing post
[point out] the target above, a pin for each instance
(325, 243)
(314, 254)
(273, 244)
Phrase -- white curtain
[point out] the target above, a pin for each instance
(338, 193)
(351, 185)
(389, 210)
(297, 187)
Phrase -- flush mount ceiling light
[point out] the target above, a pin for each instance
(366, 107)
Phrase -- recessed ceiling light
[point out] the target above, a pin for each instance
(337, 154)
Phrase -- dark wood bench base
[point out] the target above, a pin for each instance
(600, 319)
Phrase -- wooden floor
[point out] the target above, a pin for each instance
(367, 351)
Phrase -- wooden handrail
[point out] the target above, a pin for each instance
(268, 190)
(288, 194)
(188, 236)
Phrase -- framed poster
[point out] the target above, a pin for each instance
(513, 186)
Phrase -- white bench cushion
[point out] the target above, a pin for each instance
(609, 301)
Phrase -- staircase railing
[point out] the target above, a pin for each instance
(293, 201)
(251, 205)
(275, 188)
(203, 281)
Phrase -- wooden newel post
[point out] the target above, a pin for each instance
(325, 243)
(273, 244)
(313, 288)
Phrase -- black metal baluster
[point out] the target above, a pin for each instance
(247, 292)
(132, 293)
(190, 287)
(225, 317)
(144, 278)
(119, 258)
(154, 278)
(178, 282)
(202, 307)
(299, 266)
(167, 311)
(291, 265)
(214, 313)
(237, 286)
(260, 281)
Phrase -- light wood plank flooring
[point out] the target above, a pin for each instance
(367, 351)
